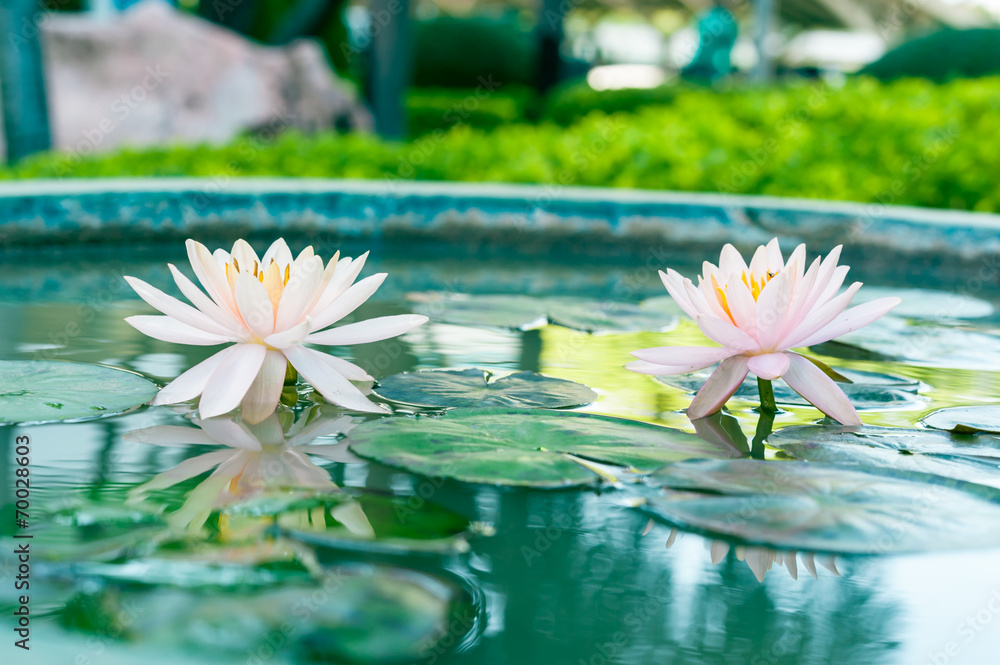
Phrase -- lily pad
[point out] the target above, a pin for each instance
(979, 470)
(350, 614)
(966, 419)
(924, 344)
(40, 391)
(520, 312)
(868, 390)
(928, 304)
(906, 440)
(474, 388)
(521, 447)
(805, 506)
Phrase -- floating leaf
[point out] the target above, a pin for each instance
(521, 312)
(349, 614)
(804, 506)
(39, 391)
(473, 388)
(928, 304)
(895, 448)
(924, 344)
(530, 448)
(867, 390)
(902, 439)
(966, 419)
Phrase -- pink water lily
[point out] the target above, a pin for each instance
(267, 308)
(758, 313)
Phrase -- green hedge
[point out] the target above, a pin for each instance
(942, 56)
(909, 142)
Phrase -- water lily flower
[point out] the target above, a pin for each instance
(758, 313)
(267, 308)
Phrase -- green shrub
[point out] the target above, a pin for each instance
(485, 107)
(909, 142)
(942, 56)
(571, 102)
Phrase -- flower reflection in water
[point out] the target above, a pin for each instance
(272, 456)
(761, 559)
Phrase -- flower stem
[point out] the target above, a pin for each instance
(767, 404)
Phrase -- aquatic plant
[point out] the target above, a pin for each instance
(758, 313)
(268, 309)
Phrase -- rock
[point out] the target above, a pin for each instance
(156, 75)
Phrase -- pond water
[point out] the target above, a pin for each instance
(399, 568)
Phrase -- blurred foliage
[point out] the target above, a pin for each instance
(431, 109)
(457, 52)
(907, 142)
(572, 101)
(942, 56)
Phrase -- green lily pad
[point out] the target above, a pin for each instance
(916, 343)
(928, 304)
(868, 390)
(901, 439)
(895, 448)
(40, 391)
(524, 447)
(520, 312)
(349, 614)
(966, 419)
(473, 388)
(821, 508)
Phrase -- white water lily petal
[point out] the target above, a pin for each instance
(277, 252)
(299, 293)
(176, 309)
(204, 303)
(851, 320)
(346, 303)
(813, 384)
(371, 330)
(167, 329)
(772, 306)
(265, 391)
(701, 356)
(192, 383)
(329, 383)
(719, 388)
(820, 318)
(725, 333)
(769, 366)
(346, 271)
(255, 305)
(232, 379)
(212, 277)
(674, 284)
(291, 337)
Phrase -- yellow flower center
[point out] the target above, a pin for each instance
(753, 282)
(273, 278)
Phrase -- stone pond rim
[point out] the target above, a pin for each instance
(527, 217)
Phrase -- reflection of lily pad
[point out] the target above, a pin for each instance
(869, 449)
(472, 388)
(804, 506)
(37, 391)
(521, 312)
(905, 440)
(351, 614)
(927, 303)
(925, 344)
(869, 390)
(531, 448)
(966, 419)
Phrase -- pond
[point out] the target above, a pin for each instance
(279, 544)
